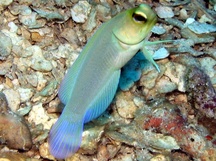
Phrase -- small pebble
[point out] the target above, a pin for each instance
(37, 60)
(158, 30)
(38, 116)
(177, 77)
(164, 12)
(91, 21)
(13, 27)
(5, 46)
(71, 36)
(13, 99)
(25, 94)
(14, 156)
(183, 14)
(80, 11)
(201, 28)
(90, 138)
(14, 131)
(44, 151)
(103, 12)
(41, 81)
(164, 85)
(49, 15)
(5, 3)
(126, 107)
(208, 65)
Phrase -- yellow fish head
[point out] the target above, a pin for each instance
(132, 26)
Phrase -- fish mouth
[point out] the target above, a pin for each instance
(125, 43)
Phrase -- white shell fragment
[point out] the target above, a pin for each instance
(13, 27)
(158, 30)
(160, 54)
(164, 12)
(81, 11)
(201, 28)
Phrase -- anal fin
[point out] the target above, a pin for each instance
(103, 98)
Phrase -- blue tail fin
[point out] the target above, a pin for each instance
(65, 138)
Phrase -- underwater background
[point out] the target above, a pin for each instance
(167, 115)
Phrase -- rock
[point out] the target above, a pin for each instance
(38, 62)
(6, 2)
(33, 57)
(187, 60)
(61, 2)
(161, 141)
(12, 156)
(49, 89)
(125, 105)
(35, 36)
(164, 12)
(23, 111)
(201, 93)
(148, 79)
(5, 46)
(90, 138)
(71, 36)
(158, 30)
(208, 66)
(38, 116)
(80, 11)
(107, 150)
(13, 27)
(201, 28)
(29, 18)
(103, 12)
(25, 94)
(5, 67)
(49, 15)
(18, 42)
(32, 79)
(13, 130)
(91, 23)
(160, 157)
(164, 85)
(44, 151)
(41, 81)
(183, 13)
(160, 53)
(13, 99)
(166, 118)
(176, 72)
(66, 50)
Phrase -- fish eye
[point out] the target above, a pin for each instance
(139, 18)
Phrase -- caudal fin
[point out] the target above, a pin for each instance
(65, 138)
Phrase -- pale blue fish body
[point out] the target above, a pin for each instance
(91, 83)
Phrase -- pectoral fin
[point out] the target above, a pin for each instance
(149, 57)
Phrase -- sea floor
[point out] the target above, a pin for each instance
(155, 116)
